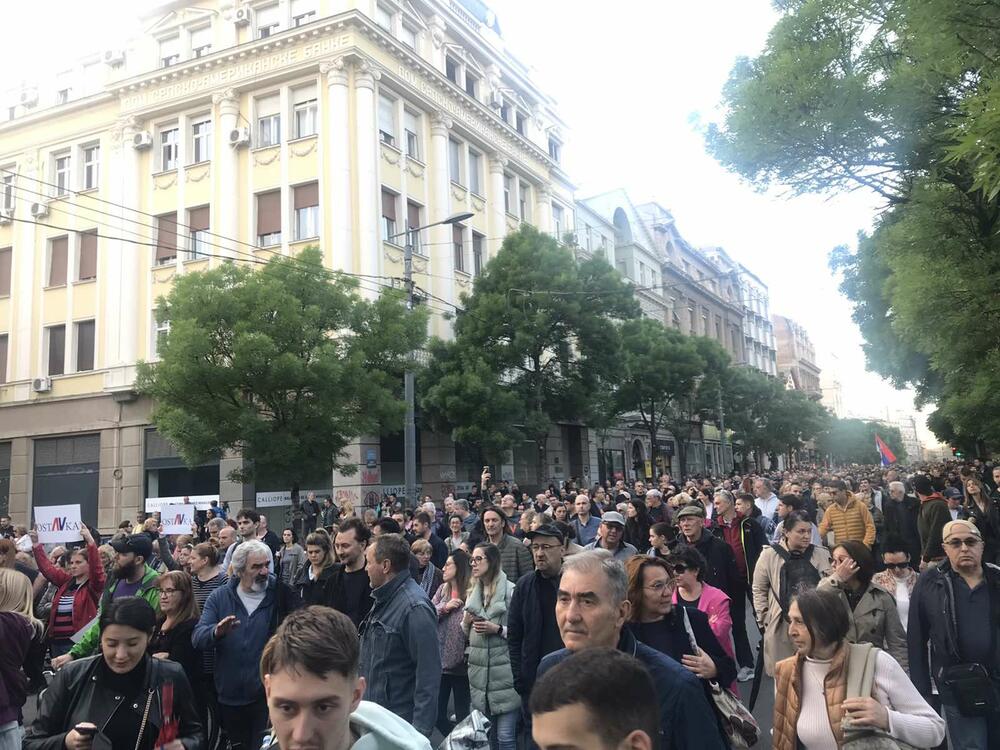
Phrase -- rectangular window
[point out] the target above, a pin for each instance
(170, 51)
(558, 220)
(458, 241)
(6, 254)
(62, 96)
(85, 341)
(160, 331)
(269, 219)
(3, 358)
(55, 340)
(555, 149)
(451, 70)
(91, 166)
(411, 123)
(387, 119)
(86, 269)
(504, 111)
(8, 192)
(471, 84)
(198, 224)
(413, 222)
(303, 12)
(523, 196)
(268, 121)
(166, 239)
(455, 161)
(383, 17)
(478, 241)
(521, 123)
(201, 41)
(268, 21)
(169, 149)
(58, 249)
(508, 187)
(201, 141)
(409, 36)
(62, 174)
(475, 172)
(389, 218)
(305, 111)
(306, 205)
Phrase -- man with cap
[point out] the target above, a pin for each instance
(721, 571)
(132, 576)
(955, 607)
(932, 516)
(953, 497)
(532, 631)
(611, 536)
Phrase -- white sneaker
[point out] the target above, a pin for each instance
(745, 674)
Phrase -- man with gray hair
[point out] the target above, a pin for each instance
(655, 507)
(592, 608)
(899, 513)
(469, 519)
(236, 623)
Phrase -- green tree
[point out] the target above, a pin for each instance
(852, 441)
(659, 368)
(284, 365)
(535, 345)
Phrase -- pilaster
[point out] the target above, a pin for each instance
(225, 215)
(366, 135)
(337, 124)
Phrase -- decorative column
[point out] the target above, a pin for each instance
(338, 146)
(498, 219)
(25, 286)
(225, 212)
(441, 252)
(543, 210)
(369, 242)
(436, 26)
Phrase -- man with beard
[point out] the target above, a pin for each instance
(132, 576)
(236, 623)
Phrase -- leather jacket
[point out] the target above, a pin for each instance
(74, 697)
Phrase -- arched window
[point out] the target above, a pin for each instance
(623, 231)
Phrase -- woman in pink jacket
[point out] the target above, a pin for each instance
(689, 566)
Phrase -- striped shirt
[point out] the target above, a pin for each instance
(62, 623)
(202, 590)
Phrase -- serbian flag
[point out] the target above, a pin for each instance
(887, 456)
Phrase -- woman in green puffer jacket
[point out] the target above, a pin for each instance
(485, 623)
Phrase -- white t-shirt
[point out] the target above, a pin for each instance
(902, 601)
(251, 599)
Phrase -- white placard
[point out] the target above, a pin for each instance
(177, 519)
(58, 523)
(284, 497)
(201, 502)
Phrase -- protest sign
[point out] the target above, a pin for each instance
(58, 523)
(177, 519)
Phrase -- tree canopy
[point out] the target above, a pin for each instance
(897, 97)
(852, 441)
(285, 366)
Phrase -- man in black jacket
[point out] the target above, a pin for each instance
(955, 607)
(900, 514)
(532, 631)
(722, 571)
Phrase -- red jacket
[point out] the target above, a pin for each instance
(86, 598)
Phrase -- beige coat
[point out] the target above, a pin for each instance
(767, 606)
(875, 620)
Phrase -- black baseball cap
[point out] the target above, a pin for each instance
(140, 544)
(546, 529)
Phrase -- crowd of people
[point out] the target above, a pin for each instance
(616, 612)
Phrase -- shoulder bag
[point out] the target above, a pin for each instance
(860, 682)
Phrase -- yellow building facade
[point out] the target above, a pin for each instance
(235, 132)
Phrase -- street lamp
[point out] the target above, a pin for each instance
(410, 425)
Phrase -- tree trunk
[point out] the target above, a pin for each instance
(682, 456)
(653, 452)
(541, 444)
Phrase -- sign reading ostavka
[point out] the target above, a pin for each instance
(233, 73)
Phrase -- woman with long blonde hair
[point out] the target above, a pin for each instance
(18, 628)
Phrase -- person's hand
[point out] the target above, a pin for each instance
(172, 745)
(923, 565)
(225, 625)
(33, 535)
(452, 605)
(701, 664)
(866, 712)
(161, 655)
(85, 533)
(845, 570)
(76, 741)
(485, 627)
(61, 661)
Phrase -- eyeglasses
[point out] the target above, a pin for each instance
(660, 586)
(680, 568)
(970, 542)
(543, 547)
(476, 559)
(167, 591)
(893, 566)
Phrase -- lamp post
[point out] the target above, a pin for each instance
(410, 425)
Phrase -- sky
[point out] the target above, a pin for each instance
(636, 83)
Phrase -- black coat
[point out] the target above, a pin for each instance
(525, 632)
(319, 591)
(74, 697)
(721, 571)
(753, 539)
(900, 520)
(988, 523)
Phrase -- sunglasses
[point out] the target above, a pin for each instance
(680, 568)
(893, 566)
(971, 542)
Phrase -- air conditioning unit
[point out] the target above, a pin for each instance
(41, 385)
(239, 137)
(244, 16)
(6, 216)
(29, 97)
(114, 57)
(142, 139)
(39, 210)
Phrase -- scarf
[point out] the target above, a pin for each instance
(427, 580)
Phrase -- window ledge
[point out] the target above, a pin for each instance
(461, 272)
(92, 280)
(190, 261)
(306, 239)
(201, 163)
(165, 172)
(55, 286)
(416, 160)
(300, 138)
(257, 149)
(87, 190)
(390, 146)
(459, 185)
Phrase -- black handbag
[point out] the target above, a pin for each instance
(972, 689)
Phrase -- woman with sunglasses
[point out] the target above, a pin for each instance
(899, 577)
(655, 621)
(692, 592)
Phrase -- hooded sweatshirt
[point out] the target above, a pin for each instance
(377, 728)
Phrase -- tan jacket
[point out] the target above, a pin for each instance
(788, 698)
(875, 620)
(767, 606)
(852, 522)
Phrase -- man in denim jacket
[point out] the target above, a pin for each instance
(400, 659)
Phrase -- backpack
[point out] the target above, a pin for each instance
(797, 574)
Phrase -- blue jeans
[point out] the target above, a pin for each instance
(11, 735)
(971, 733)
(506, 729)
